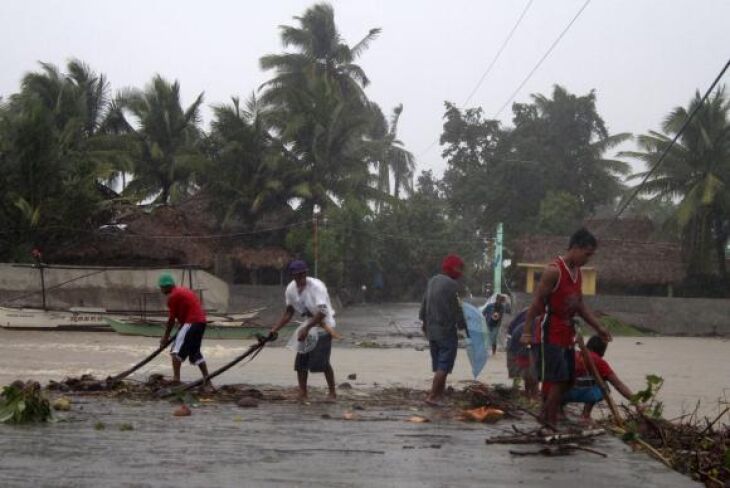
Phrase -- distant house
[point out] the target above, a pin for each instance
(184, 234)
(628, 261)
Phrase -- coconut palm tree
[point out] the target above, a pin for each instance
(697, 172)
(168, 155)
(317, 107)
(321, 54)
(250, 172)
(401, 162)
(390, 157)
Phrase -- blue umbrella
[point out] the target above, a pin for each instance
(477, 344)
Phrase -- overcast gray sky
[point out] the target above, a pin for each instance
(643, 57)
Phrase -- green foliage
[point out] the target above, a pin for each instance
(126, 427)
(549, 169)
(696, 172)
(24, 404)
(648, 396)
(559, 213)
(167, 155)
(317, 105)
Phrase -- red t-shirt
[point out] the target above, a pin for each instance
(184, 306)
(562, 305)
(604, 369)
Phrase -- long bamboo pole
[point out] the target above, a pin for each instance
(591, 366)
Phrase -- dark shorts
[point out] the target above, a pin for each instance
(443, 354)
(554, 364)
(493, 335)
(316, 360)
(187, 343)
(518, 364)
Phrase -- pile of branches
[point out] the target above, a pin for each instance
(697, 448)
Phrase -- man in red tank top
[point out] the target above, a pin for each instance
(558, 298)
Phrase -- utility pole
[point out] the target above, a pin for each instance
(498, 260)
(315, 219)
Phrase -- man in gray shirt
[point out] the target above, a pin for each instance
(441, 315)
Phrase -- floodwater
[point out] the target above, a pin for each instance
(285, 444)
(694, 369)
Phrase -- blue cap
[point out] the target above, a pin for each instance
(297, 266)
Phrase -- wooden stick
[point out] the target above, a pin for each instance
(648, 447)
(254, 349)
(116, 379)
(549, 439)
(709, 426)
(591, 366)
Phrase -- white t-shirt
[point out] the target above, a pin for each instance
(312, 299)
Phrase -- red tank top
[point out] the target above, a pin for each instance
(561, 306)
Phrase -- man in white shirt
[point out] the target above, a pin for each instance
(308, 297)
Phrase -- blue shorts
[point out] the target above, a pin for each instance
(443, 354)
(583, 394)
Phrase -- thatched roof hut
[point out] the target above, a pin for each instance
(634, 228)
(619, 263)
(162, 235)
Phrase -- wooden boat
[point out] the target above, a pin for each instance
(214, 330)
(77, 318)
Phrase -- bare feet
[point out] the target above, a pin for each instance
(432, 402)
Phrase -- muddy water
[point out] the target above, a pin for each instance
(694, 369)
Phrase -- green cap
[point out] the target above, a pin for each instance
(166, 279)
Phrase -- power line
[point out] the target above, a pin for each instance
(653, 169)
(543, 58)
(489, 68)
(499, 53)
(121, 232)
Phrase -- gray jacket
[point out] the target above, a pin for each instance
(440, 310)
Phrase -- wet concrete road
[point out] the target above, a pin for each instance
(292, 445)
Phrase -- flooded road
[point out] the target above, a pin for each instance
(391, 352)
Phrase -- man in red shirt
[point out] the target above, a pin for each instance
(586, 390)
(184, 306)
(558, 298)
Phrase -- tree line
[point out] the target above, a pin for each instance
(310, 139)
